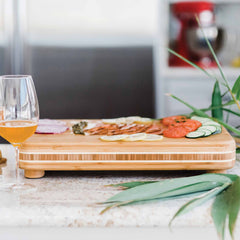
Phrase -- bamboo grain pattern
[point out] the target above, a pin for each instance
(77, 152)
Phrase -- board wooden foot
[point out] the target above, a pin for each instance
(34, 173)
(217, 171)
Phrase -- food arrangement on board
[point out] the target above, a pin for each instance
(136, 128)
(128, 144)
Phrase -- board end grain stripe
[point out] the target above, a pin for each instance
(126, 157)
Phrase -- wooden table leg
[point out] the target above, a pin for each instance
(34, 173)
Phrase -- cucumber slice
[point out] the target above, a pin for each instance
(205, 121)
(208, 127)
(211, 123)
(201, 119)
(212, 129)
(219, 129)
(196, 134)
(207, 133)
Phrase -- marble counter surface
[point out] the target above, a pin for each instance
(68, 199)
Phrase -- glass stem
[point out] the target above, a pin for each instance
(17, 173)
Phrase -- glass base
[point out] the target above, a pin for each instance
(17, 187)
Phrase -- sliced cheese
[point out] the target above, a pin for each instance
(114, 138)
(132, 137)
(153, 137)
(135, 137)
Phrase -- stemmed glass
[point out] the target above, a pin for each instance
(19, 115)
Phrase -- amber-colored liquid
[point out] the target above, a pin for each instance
(17, 131)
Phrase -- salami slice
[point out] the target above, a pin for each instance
(47, 126)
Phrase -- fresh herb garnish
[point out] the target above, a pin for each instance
(79, 127)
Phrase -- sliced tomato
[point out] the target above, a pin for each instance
(175, 124)
(199, 124)
(175, 132)
(191, 125)
(173, 120)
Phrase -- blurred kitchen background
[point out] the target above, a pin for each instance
(108, 58)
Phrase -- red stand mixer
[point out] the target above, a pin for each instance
(190, 42)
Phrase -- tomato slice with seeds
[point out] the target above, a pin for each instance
(191, 125)
(176, 124)
(176, 132)
(179, 126)
(173, 120)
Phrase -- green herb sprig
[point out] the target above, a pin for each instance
(78, 128)
(225, 188)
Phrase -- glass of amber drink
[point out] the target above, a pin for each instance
(19, 114)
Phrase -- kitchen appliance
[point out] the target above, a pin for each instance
(190, 41)
(66, 151)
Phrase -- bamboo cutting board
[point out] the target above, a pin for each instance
(67, 151)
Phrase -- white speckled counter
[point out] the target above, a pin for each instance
(68, 199)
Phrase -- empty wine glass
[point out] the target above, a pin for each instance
(19, 115)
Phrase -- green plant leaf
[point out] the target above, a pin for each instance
(238, 150)
(118, 204)
(231, 111)
(229, 127)
(228, 113)
(213, 53)
(189, 189)
(233, 177)
(236, 88)
(225, 93)
(130, 184)
(227, 85)
(231, 102)
(199, 201)
(203, 114)
(151, 190)
(227, 205)
(225, 81)
(219, 214)
(189, 62)
(195, 110)
(182, 191)
(233, 194)
(238, 95)
(185, 191)
(217, 101)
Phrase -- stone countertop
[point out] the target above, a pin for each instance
(68, 199)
